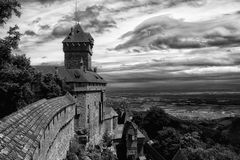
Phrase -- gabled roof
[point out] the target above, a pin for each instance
(78, 35)
(120, 131)
(72, 75)
(109, 113)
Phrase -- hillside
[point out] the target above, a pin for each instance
(199, 140)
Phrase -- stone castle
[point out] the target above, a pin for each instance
(43, 130)
(85, 85)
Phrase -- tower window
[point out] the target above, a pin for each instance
(88, 117)
(100, 112)
(77, 75)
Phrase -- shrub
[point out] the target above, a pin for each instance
(155, 120)
(107, 140)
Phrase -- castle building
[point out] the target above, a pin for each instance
(44, 129)
(85, 84)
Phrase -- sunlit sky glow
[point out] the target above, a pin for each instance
(165, 44)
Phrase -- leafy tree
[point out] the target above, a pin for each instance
(216, 152)
(167, 142)
(48, 86)
(192, 140)
(20, 84)
(7, 8)
(154, 121)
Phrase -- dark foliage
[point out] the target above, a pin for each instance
(71, 156)
(236, 125)
(20, 84)
(198, 141)
(167, 142)
(7, 8)
(155, 120)
(79, 151)
(107, 140)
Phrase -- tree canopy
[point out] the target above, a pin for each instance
(20, 83)
(7, 9)
(196, 142)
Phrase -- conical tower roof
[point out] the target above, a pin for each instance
(78, 35)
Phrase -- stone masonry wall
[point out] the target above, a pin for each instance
(61, 142)
(93, 100)
(88, 104)
(55, 142)
(88, 87)
(39, 131)
(73, 59)
(81, 119)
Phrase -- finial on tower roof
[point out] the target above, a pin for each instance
(76, 16)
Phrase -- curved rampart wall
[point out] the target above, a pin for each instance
(40, 131)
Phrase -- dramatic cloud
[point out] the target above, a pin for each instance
(156, 44)
(42, 1)
(189, 2)
(220, 78)
(37, 20)
(61, 29)
(102, 25)
(164, 32)
(44, 27)
(93, 19)
(216, 67)
(30, 33)
(148, 5)
(192, 64)
(164, 77)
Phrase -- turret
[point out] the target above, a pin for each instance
(77, 47)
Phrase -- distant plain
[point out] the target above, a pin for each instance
(189, 105)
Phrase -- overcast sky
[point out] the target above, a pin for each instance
(166, 45)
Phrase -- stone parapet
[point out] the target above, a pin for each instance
(32, 132)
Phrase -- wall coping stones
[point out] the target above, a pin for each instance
(21, 132)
